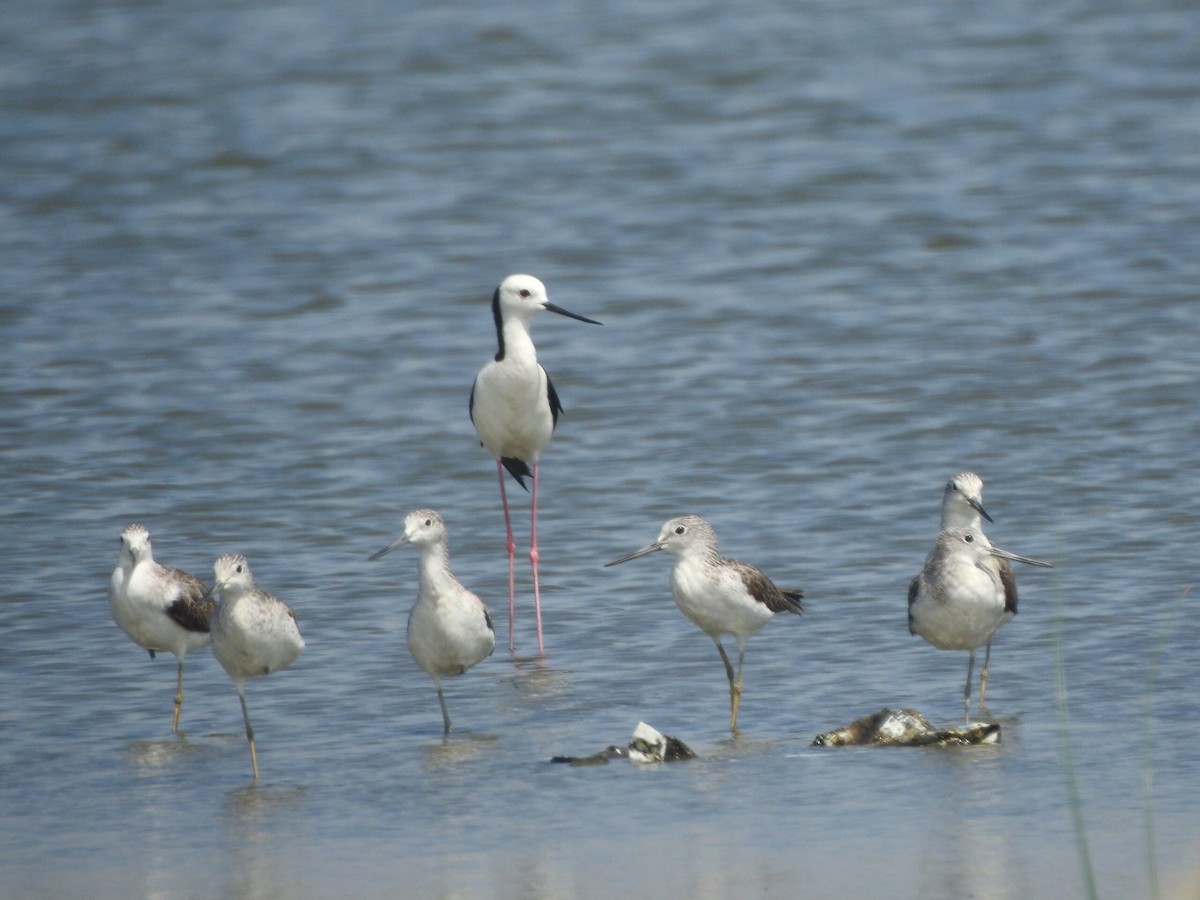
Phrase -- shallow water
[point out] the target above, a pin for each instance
(841, 252)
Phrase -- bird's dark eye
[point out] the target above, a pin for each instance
(428, 523)
(239, 569)
(523, 292)
(969, 538)
(679, 529)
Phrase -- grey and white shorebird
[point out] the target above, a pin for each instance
(161, 608)
(253, 633)
(720, 595)
(961, 596)
(514, 408)
(449, 628)
(962, 507)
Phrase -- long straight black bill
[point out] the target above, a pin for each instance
(978, 507)
(570, 315)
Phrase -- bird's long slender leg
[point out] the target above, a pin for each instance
(987, 658)
(967, 687)
(533, 560)
(734, 689)
(178, 699)
(512, 549)
(249, 733)
(445, 715)
(738, 685)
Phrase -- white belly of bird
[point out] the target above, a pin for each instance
(965, 614)
(511, 412)
(447, 637)
(251, 640)
(716, 599)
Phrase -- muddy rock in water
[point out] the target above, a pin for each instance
(906, 728)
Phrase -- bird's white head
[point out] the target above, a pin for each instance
(681, 535)
(968, 541)
(684, 533)
(231, 571)
(975, 544)
(520, 297)
(135, 544)
(962, 502)
(422, 528)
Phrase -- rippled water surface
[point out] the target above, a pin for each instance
(841, 252)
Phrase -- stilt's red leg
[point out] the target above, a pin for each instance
(533, 559)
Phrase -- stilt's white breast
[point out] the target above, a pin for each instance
(511, 411)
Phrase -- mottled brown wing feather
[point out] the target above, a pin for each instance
(1009, 580)
(192, 609)
(763, 590)
(792, 600)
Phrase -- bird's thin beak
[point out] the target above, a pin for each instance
(211, 592)
(978, 507)
(398, 542)
(570, 315)
(635, 554)
(996, 551)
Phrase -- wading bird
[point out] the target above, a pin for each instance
(720, 595)
(514, 408)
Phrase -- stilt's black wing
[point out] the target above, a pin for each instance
(552, 395)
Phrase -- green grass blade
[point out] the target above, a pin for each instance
(1068, 763)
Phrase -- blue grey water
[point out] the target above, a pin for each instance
(841, 251)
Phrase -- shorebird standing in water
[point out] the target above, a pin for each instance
(961, 597)
(253, 633)
(449, 628)
(514, 408)
(962, 507)
(720, 595)
(159, 607)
